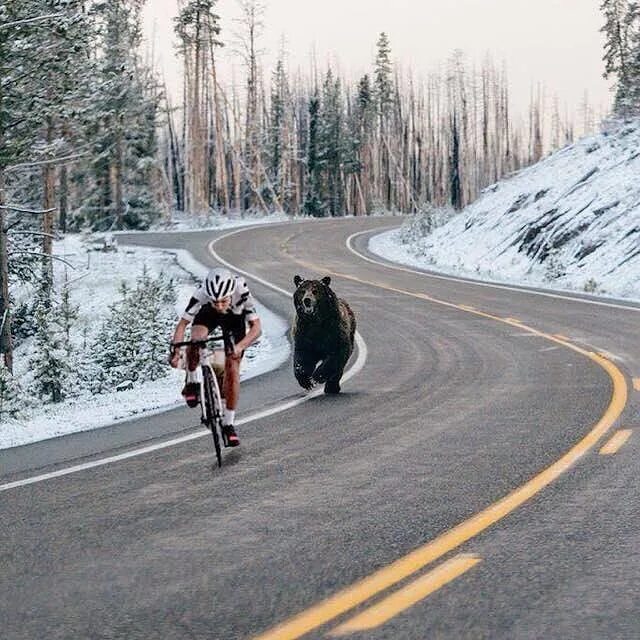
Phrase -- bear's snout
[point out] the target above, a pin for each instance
(307, 303)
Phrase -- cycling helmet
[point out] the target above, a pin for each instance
(219, 284)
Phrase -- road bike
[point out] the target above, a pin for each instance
(212, 374)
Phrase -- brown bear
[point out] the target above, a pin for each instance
(323, 334)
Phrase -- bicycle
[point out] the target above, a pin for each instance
(210, 395)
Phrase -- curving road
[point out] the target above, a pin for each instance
(454, 490)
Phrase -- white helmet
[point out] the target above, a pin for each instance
(219, 284)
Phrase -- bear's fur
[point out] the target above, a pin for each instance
(323, 334)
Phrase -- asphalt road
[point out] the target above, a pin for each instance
(468, 394)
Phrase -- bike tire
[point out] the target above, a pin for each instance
(212, 412)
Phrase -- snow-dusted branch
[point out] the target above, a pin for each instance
(42, 255)
(36, 233)
(39, 163)
(16, 23)
(18, 209)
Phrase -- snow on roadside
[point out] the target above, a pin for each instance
(94, 286)
(179, 223)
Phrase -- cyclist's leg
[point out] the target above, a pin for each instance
(236, 326)
(191, 390)
(231, 384)
(199, 331)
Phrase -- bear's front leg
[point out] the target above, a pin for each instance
(303, 367)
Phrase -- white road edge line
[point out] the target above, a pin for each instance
(352, 371)
(479, 283)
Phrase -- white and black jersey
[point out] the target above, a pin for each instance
(242, 302)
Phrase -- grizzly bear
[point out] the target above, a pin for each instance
(323, 334)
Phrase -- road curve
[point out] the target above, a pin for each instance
(468, 394)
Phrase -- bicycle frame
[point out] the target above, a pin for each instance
(210, 393)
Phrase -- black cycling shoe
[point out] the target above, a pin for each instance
(230, 436)
(191, 393)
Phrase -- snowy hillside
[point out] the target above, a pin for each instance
(571, 221)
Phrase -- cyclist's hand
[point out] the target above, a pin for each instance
(174, 357)
(236, 354)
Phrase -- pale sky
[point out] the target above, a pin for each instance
(555, 42)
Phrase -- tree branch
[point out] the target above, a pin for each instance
(36, 233)
(36, 212)
(16, 23)
(26, 165)
(42, 255)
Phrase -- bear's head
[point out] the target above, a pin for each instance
(313, 297)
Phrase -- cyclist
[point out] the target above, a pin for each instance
(223, 300)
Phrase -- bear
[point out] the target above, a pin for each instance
(323, 334)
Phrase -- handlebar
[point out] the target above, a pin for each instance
(226, 337)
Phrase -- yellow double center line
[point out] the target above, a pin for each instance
(361, 591)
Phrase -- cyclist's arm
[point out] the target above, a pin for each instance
(255, 330)
(178, 334)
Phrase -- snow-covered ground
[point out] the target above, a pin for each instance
(185, 222)
(95, 283)
(570, 222)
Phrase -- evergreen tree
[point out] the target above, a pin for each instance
(131, 344)
(454, 165)
(630, 101)
(50, 364)
(122, 125)
(43, 56)
(383, 79)
(619, 17)
(277, 151)
(332, 142)
(312, 203)
(112, 347)
(155, 300)
(12, 397)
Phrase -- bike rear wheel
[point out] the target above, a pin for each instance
(213, 411)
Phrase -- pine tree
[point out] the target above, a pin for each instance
(630, 102)
(619, 17)
(43, 56)
(454, 164)
(131, 344)
(12, 397)
(312, 203)
(50, 364)
(112, 347)
(122, 125)
(383, 80)
(332, 142)
(277, 151)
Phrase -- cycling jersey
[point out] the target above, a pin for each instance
(242, 302)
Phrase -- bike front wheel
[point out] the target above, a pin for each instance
(213, 413)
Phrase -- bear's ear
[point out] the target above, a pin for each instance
(297, 280)
(326, 281)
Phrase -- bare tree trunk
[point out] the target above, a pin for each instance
(118, 170)
(64, 198)
(6, 342)
(222, 181)
(48, 204)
